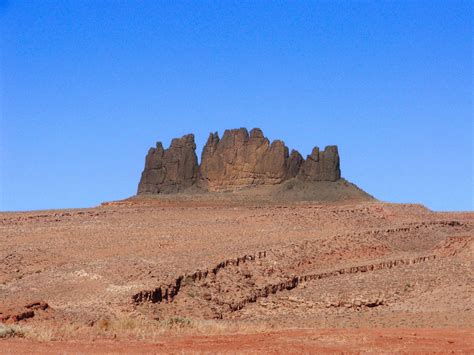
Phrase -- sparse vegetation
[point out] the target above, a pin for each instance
(129, 326)
(10, 331)
(177, 323)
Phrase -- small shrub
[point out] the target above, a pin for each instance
(177, 323)
(103, 324)
(10, 331)
(125, 322)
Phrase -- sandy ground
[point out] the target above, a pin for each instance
(236, 274)
(285, 342)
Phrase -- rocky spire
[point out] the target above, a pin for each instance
(170, 170)
(321, 166)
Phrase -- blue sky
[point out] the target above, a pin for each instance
(88, 86)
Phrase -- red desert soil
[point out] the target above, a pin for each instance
(159, 274)
(284, 342)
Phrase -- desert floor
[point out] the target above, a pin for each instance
(235, 274)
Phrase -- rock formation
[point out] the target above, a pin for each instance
(321, 166)
(170, 170)
(240, 159)
(237, 160)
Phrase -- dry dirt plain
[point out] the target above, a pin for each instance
(235, 274)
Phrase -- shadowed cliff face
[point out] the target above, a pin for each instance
(321, 166)
(170, 170)
(240, 159)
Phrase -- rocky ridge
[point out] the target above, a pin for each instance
(240, 159)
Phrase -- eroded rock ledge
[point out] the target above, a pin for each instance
(240, 159)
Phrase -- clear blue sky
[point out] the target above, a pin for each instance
(88, 86)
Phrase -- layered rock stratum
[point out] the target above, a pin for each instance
(237, 160)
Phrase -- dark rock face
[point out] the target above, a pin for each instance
(239, 159)
(295, 161)
(321, 166)
(170, 170)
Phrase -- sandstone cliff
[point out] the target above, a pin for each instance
(170, 170)
(321, 166)
(240, 159)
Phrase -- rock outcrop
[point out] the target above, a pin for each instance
(243, 159)
(321, 166)
(240, 159)
(170, 170)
